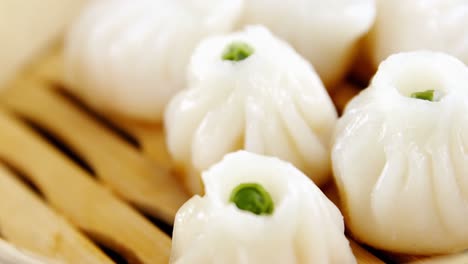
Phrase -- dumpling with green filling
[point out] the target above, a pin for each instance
(250, 90)
(259, 209)
(400, 156)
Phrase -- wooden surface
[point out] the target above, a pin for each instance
(22, 212)
(137, 179)
(88, 205)
(10, 254)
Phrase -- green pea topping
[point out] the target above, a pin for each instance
(237, 51)
(252, 197)
(424, 95)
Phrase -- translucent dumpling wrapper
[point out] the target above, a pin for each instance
(438, 25)
(269, 102)
(324, 32)
(400, 156)
(303, 227)
(130, 57)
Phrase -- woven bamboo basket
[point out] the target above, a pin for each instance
(77, 186)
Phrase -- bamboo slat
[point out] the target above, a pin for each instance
(116, 163)
(152, 140)
(22, 212)
(75, 194)
(453, 259)
(10, 254)
(150, 136)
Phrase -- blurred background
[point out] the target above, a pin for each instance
(27, 26)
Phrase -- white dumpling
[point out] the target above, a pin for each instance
(271, 102)
(289, 220)
(400, 160)
(324, 32)
(438, 25)
(130, 57)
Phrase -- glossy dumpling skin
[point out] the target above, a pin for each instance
(305, 227)
(439, 25)
(401, 163)
(130, 57)
(324, 32)
(270, 103)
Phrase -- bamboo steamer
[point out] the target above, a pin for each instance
(80, 187)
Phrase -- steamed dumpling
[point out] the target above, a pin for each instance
(402, 25)
(130, 57)
(400, 156)
(324, 32)
(259, 210)
(250, 90)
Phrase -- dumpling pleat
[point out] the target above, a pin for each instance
(196, 103)
(254, 114)
(218, 133)
(277, 143)
(304, 140)
(449, 198)
(384, 196)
